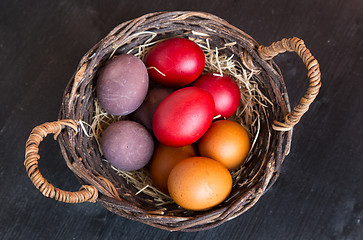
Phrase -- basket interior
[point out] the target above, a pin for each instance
(115, 192)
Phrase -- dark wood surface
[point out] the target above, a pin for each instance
(319, 194)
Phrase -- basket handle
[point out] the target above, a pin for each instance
(295, 45)
(85, 193)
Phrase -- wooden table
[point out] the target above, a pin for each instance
(319, 194)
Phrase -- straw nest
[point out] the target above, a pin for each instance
(228, 50)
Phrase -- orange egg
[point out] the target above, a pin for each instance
(164, 159)
(199, 183)
(227, 142)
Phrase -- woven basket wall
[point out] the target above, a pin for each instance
(264, 163)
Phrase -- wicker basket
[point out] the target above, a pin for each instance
(101, 184)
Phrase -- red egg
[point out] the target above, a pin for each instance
(224, 90)
(175, 62)
(183, 117)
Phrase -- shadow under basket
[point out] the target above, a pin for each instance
(101, 183)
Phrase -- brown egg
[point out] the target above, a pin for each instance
(144, 114)
(122, 84)
(164, 159)
(199, 183)
(227, 142)
(127, 145)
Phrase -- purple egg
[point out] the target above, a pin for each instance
(122, 85)
(144, 114)
(127, 145)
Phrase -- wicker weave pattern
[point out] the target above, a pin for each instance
(114, 192)
(269, 152)
(296, 45)
(86, 193)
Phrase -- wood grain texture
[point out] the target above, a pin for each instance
(319, 192)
